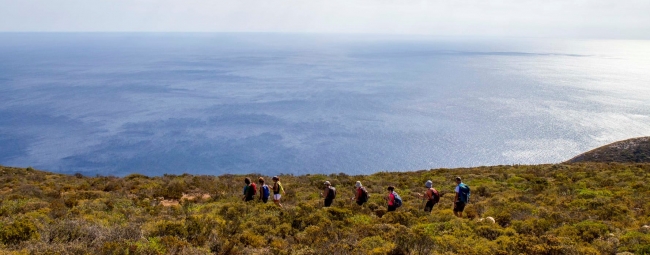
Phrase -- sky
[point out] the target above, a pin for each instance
(608, 19)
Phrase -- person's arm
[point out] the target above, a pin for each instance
(261, 191)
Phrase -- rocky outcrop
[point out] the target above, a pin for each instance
(635, 150)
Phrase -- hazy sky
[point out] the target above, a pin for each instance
(629, 19)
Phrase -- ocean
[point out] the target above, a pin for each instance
(235, 103)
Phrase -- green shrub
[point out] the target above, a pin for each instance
(339, 214)
(174, 244)
(249, 238)
(532, 226)
(589, 230)
(483, 191)
(17, 231)
(374, 245)
(634, 241)
(490, 232)
(169, 228)
(199, 228)
(503, 218)
(398, 217)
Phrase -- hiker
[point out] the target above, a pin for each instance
(462, 197)
(278, 191)
(394, 200)
(432, 196)
(329, 194)
(249, 190)
(361, 194)
(265, 192)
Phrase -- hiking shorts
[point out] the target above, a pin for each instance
(276, 196)
(429, 206)
(391, 208)
(328, 202)
(265, 199)
(249, 199)
(360, 202)
(460, 206)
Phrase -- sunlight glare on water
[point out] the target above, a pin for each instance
(114, 104)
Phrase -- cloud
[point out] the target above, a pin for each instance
(604, 18)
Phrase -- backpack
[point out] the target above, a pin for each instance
(251, 191)
(279, 189)
(265, 191)
(331, 194)
(436, 196)
(463, 193)
(398, 200)
(364, 195)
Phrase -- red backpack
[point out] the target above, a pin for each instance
(254, 188)
(435, 196)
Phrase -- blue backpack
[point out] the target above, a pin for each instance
(398, 200)
(463, 193)
(266, 191)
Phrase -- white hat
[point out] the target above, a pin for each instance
(358, 184)
(327, 183)
(428, 184)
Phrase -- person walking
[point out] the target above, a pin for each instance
(432, 196)
(264, 190)
(329, 193)
(394, 200)
(249, 190)
(462, 197)
(278, 191)
(361, 194)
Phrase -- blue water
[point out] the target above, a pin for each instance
(114, 104)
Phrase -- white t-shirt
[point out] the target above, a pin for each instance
(457, 188)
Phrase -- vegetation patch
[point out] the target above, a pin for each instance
(582, 208)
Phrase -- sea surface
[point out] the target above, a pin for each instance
(172, 103)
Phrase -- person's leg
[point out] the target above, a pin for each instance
(276, 200)
(460, 207)
(428, 206)
(328, 202)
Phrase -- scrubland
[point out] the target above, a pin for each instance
(585, 208)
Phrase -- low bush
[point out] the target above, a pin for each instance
(17, 231)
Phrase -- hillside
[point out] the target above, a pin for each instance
(635, 150)
(582, 208)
